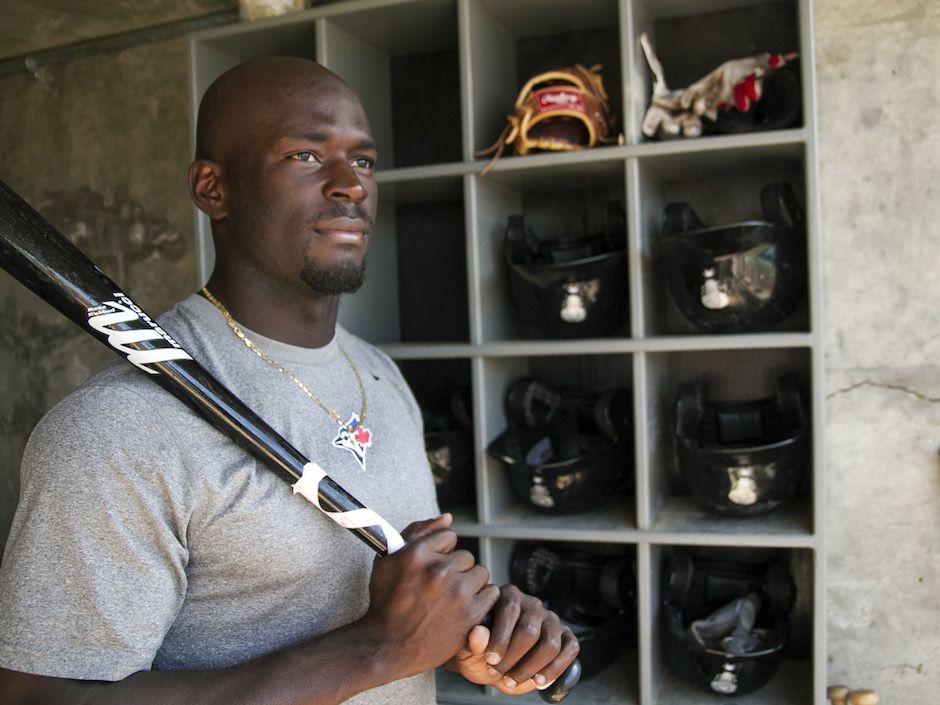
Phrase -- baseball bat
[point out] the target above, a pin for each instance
(47, 263)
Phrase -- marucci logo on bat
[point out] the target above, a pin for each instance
(111, 313)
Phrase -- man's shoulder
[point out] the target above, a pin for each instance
(120, 391)
(363, 349)
(117, 396)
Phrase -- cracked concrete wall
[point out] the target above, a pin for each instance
(879, 136)
(101, 143)
(100, 147)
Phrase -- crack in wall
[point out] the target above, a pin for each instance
(885, 385)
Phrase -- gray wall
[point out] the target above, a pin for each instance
(880, 167)
(101, 144)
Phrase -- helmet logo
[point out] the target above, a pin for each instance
(539, 494)
(714, 294)
(725, 682)
(743, 485)
(578, 295)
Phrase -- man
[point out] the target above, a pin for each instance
(151, 560)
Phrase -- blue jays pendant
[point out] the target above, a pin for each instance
(355, 438)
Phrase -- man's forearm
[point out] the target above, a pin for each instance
(423, 602)
(325, 671)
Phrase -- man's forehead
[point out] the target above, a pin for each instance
(269, 99)
(316, 98)
(281, 81)
(301, 133)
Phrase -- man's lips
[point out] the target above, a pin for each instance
(347, 231)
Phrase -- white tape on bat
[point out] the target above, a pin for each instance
(308, 486)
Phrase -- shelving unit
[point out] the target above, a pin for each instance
(437, 78)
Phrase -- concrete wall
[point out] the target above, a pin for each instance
(56, 23)
(880, 168)
(101, 145)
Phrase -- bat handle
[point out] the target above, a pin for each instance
(561, 687)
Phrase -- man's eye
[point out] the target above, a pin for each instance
(363, 163)
(304, 156)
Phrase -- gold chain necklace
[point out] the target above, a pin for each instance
(353, 435)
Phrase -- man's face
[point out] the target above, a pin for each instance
(302, 191)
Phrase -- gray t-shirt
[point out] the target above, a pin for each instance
(145, 539)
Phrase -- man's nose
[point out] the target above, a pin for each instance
(343, 183)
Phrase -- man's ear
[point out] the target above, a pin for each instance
(206, 188)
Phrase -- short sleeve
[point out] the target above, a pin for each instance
(94, 570)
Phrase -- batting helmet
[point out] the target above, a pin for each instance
(741, 277)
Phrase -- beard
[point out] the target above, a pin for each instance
(344, 278)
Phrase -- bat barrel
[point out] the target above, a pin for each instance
(42, 259)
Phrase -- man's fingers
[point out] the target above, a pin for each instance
(488, 596)
(477, 640)
(463, 560)
(419, 529)
(527, 646)
(439, 541)
(546, 661)
(505, 618)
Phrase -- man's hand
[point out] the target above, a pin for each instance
(526, 647)
(425, 599)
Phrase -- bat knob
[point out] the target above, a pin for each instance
(559, 689)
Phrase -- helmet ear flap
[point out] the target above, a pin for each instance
(779, 589)
(680, 218)
(612, 413)
(680, 572)
(788, 402)
(460, 406)
(690, 408)
(618, 583)
(518, 240)
(532, 567)
(530, 404)
(778, 201)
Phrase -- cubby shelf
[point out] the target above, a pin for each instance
(437, 78)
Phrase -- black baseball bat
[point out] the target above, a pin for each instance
(46, 262)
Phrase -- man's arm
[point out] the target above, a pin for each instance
(425, 599)
(324, 671)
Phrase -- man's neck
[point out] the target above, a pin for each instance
(307, 321)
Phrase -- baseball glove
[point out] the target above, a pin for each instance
(557, 110)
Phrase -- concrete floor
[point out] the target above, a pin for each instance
(110, 132)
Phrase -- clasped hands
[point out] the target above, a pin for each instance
(429, 600)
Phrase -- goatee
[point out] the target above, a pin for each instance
(331, 281)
